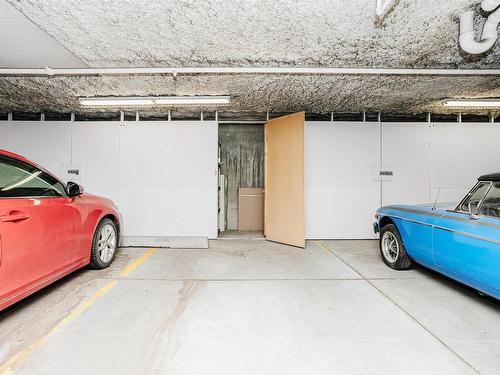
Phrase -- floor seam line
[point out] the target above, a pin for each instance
(405, 312)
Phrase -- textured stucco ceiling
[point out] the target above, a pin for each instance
(255, 93)
(242, 32)
(417, 33)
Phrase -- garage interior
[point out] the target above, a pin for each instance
(236, 258)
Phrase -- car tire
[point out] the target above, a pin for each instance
(392, 248)
(104, 244)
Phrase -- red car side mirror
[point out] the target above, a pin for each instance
(73, 189)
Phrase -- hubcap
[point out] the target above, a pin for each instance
(107, 243)
(390, 247)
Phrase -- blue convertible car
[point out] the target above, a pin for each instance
(462, 242)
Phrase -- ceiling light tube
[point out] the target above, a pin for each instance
(150, 101)
(472, 103)
(115, 102)
(192, 100)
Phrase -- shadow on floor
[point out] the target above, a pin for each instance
(241, 235)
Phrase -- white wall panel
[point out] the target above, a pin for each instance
(96, 148)
(182, 154)
(168, 178)
(445, 157)
(460, 153)
(406, 151)
(341, 194)
(46, 143)
(162, 175)
(184, 211)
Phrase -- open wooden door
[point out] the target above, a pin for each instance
(284, 180)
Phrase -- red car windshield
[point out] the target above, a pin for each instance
(21, 180)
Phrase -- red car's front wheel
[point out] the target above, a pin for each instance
(104, 244)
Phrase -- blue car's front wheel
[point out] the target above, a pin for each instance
(392, 248)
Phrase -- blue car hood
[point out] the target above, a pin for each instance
(439, 207)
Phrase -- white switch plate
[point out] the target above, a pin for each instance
(71, 172)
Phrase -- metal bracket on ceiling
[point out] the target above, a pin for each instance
(428, 118)
(49, 72)
(383, 9)
(384, 6)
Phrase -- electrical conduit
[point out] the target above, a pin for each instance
(489, 35)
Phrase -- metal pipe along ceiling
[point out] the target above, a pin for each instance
(489, 34)
(242, 70)
(489, 5)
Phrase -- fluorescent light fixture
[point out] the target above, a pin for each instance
(472, 103)
(151, 101)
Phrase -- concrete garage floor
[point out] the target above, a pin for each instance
(252, 307)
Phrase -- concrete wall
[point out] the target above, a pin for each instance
(242, 156)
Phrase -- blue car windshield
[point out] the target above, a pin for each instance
(474, 198)
(491, 202)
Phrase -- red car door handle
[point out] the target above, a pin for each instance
(18, 216)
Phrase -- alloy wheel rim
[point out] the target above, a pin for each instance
(107, 243)
(390, 247)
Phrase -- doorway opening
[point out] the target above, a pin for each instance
(254, 156)
(241, 182)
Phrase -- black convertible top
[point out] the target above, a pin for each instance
(490, 177)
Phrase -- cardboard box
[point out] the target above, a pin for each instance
(251, 209)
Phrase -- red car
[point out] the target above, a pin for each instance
(47, 229)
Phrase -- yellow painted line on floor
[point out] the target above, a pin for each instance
(84, 306)
(7, 367)
(138, 262)
(323, 248)
(19, 357)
